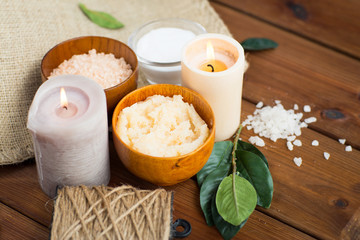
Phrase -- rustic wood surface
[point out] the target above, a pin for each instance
(317, 63)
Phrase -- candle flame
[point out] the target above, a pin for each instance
(210, 55)
(63, 99)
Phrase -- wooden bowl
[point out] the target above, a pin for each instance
(165, 171)
(65, 50)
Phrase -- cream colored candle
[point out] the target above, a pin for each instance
(221, 83)
(70, 138)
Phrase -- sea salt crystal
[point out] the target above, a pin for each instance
(289, 146)
(297, 143)
(259, 104)
(291, 138)
(277, 101)
(342, 141)
(326, 155)
(310, 120)
(275, 122)
(307, 108)
(315, 143)
(296, 107)
(348, 148)
(298, 161)
(257, 141)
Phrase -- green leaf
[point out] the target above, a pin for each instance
(219, 156)
(102, 19)
(208, 190)
(244, 146)
(235, 199)
(255, 170)
(257, 44)
(226, 229)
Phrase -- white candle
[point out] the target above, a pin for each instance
(221, 88)
(70, 141)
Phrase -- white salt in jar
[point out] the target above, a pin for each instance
(158, 46)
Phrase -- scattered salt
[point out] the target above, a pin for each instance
(310, 120)
(296, 107)
(297, 143)
(257, 141)
(289, 145)
(275, 122)
(259, 104)
(315, 143)
(277, 101)
(326, 155)
(298, 161)
(348, 148)
(307, 108)
(342, 141)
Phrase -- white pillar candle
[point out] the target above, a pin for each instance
(222, 88)
(70, 142)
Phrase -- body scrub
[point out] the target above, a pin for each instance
(162, 126)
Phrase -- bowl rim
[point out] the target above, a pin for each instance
(139, 90)
(162, 64)
(134, 71)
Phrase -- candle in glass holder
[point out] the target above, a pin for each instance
(213, 65)
(68, 122)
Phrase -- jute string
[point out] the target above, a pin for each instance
(112, 213)
(29, 28)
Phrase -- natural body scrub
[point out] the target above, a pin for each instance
(162, 126)
(105, 69)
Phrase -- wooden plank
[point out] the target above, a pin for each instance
(20, 189)
(33, 203)
(319, 197)
(187, 206)
(14, 225)
(332, 22)
(301, 72)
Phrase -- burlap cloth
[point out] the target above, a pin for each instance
(112, 213)
(29, 28)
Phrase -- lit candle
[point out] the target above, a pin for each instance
(222, 88)
(68, 122)
(212, 64)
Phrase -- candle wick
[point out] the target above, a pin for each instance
(212, 68)
(65, 107)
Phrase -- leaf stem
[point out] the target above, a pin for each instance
(234, 164)
(234, 149)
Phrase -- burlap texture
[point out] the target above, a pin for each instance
(112, 213)
(29, 28)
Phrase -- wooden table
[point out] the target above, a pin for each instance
(317, 63)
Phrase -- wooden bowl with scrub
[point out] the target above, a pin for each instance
(164, 171)
(81, 45)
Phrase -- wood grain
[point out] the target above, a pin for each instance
(29, 199)
(319, 189)
(319, 197)
(301, 72)
(334, 23)
(14, 225)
